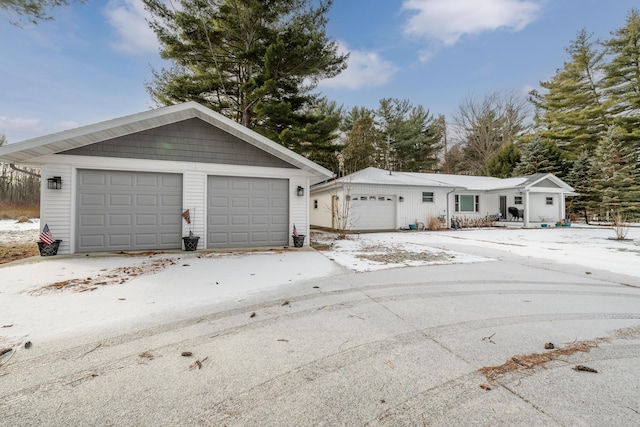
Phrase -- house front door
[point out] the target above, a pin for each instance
(503, 207)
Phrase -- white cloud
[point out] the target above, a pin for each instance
(444, 22)
(364, 69)
(17, 123)
(128, 19)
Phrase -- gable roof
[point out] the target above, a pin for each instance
(375, 176)
(30, 150)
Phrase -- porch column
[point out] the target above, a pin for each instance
(563, 207)
(526, 208)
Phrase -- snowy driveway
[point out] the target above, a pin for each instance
(294, 338)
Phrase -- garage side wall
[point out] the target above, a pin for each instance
(56, 206)
(194, 187)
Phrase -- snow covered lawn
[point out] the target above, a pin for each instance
(45, 298)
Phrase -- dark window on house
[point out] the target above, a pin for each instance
(467, 203)
(315, 203)
(549, 200)
(517, 200)
(427, 196)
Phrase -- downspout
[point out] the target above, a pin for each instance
(526, 208)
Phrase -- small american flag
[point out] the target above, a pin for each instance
(295, 232)
(187, 216)
(46, 236)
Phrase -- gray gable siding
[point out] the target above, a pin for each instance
(191, 140)
(547, 183)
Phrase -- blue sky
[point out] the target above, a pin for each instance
(91, 63)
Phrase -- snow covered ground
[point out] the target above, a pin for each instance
(47, 298)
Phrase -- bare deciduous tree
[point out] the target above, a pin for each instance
(484, 125)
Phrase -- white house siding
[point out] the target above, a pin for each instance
(321, 216)
(406, 212)
(194, 196)
(56, 209)
(298, 212)
(539, 211)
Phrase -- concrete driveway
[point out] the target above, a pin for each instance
(438, 345)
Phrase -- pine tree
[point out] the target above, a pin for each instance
(573, 113)
(364, 147)
(580, 177)
(412, 135)
(254, 61)
(616, 182)
(622, 77)
(503, 164)
(540, 156)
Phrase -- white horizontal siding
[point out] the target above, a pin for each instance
(56, 206)
(194, 186)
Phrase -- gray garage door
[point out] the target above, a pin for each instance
(247, 212)
(128, 211)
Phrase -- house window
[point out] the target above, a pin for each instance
(467, 203)
(549, 200)
(315, 203)
(427, 196)
(517, 200)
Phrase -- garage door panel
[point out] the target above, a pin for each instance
(218, 202)
(93, 241)
(120, 200)
(240, 203)
(260, 219)
(218, 220)
(120, 210)
(240, 238)
(146, 220)
(260, 203)
(120, 180)
(279, 220)
(120, 240)
(146, 239)
(247, 211)
(175, 200)
(124, 220)
(92, 200)
(92, 220)
(240, 220)
(146, 200)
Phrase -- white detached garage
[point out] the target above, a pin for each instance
(126, 182)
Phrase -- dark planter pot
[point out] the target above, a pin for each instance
(298, 241)
(190, 243)
(49, 249)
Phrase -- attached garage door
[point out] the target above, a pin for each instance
(247, 212)
(128, 211)
(373, 212)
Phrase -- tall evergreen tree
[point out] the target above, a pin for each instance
(412, 135)
(254, 61)
(573, 112)
(622, 77)
(540, 156)
(580, 177)
(504, 162)
(616, 182)
(364, 147)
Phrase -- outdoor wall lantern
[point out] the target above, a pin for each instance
(300, 190)
(54, 183)
(401, 199)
